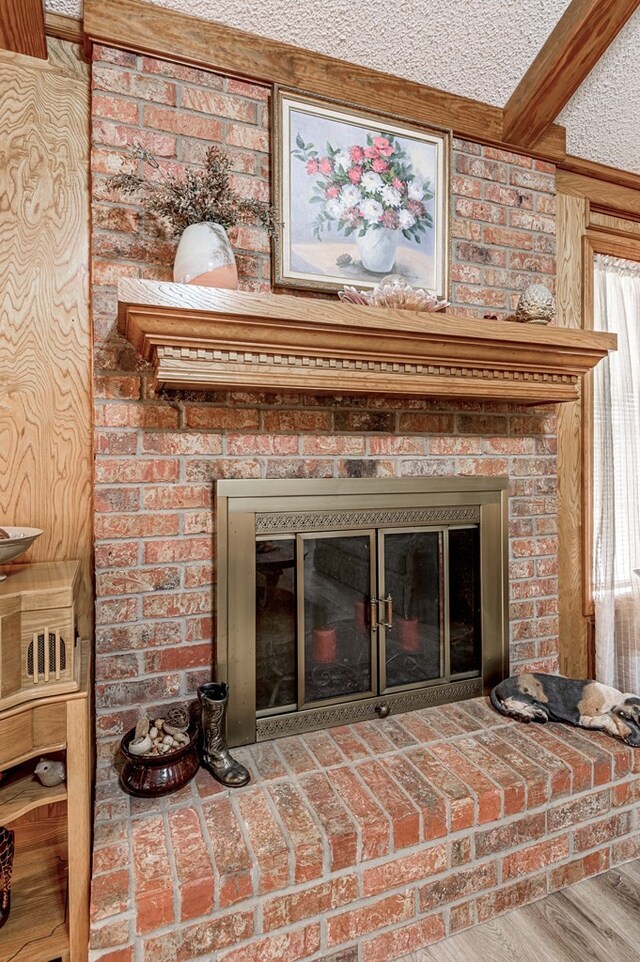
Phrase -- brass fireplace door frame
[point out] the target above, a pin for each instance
(246, 510)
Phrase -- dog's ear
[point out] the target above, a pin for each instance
(628, 709)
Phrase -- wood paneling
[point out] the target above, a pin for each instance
(165, 33)
(198, 337)
(577, 42)
(45, 346)
(574, 648)
(22, 27)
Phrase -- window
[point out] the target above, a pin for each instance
(616, 476)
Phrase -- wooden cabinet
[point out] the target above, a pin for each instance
(50, 892)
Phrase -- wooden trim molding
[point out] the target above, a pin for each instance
(139, 26)
(575, 45)
(201, 338)
(582, 233)
(598, 242)
(22, 27)
(602, 195)
(610, 224)
(574, 640)
(601, 172)
(64, 28)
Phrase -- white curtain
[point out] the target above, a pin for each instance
(616, 476)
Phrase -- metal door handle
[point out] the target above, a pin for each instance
(373, 606)
(388, 612)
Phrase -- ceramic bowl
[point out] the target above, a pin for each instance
(19, 540)
(149, 776)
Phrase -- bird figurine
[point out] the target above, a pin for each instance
(50, 772)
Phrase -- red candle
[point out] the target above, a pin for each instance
(408, 634)
(325, 645)
(360, 616)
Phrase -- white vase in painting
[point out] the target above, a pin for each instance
(204, 257)
(377, 249)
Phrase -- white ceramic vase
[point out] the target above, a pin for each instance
(377, 249)
(204, 257)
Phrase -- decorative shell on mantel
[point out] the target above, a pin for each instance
(393, 291)
(536, 305)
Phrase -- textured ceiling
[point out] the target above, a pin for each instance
(603, 116)
(480, 50)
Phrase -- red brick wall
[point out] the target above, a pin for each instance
(156, 458)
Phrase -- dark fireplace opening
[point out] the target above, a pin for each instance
(392, 598)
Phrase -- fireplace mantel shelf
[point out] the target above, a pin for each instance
(202, 338)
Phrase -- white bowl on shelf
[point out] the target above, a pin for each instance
(19, 540)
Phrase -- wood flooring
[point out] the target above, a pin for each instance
(593, 921)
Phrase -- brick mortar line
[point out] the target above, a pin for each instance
(548, 870)
(469, 897)
(179, 110)
(542, 872)
(442, 406)
(502, 822)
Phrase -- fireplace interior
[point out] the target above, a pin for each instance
(342, 600)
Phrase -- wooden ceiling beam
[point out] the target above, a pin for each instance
(167, 34)
(22, 27)
(579, 39)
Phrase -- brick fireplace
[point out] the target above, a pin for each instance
(476, 826)
(158, 457)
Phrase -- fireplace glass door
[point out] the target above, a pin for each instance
(347, 615)
(346, 599)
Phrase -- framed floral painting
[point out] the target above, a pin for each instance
(359, 196)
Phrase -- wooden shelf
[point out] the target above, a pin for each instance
(49, 916)
(37, 929)
(21, 792)
(203, 338)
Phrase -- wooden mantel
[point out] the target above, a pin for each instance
(198, 337)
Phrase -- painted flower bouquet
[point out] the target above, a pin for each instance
(372, 191)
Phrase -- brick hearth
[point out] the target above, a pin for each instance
(363, 842)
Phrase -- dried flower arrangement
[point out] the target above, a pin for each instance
(200, 196)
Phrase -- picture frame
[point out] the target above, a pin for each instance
(359, 196)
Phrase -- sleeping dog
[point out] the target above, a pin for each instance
(588, 704)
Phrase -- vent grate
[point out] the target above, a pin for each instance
(57, 655)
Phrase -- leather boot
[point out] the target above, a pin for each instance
(216, 756)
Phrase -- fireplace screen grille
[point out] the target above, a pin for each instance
(329, 616)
